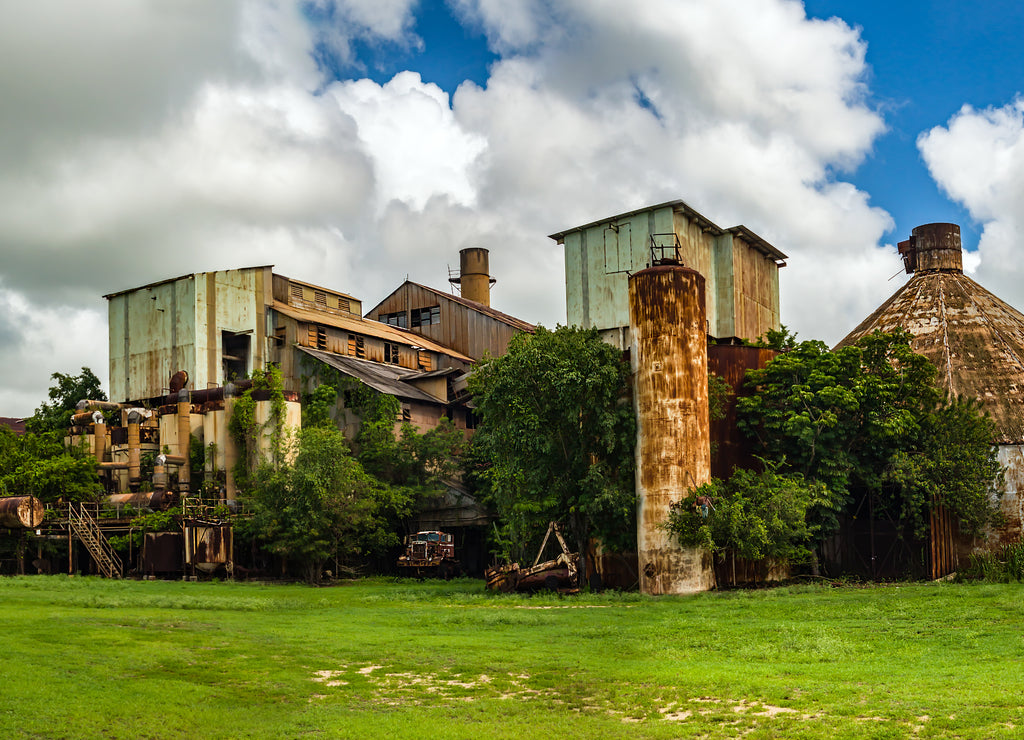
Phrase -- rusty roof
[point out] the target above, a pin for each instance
(388, 379)
(474, 305)
(14, 424)
(975, 339)
(369, 327)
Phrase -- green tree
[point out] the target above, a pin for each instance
(756, 515)
(67, 391)
(868, 419)
(38, 463)
(323, 504)
(558, 430)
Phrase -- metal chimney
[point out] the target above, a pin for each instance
(474, 281)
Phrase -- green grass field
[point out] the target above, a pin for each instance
(87, 658)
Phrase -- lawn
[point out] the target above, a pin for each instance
(88, 658)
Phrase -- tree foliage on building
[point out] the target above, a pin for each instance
(312, 497)
(558, 434)
(38, 463)
(868, 420)
(754, 515)
(322, 504)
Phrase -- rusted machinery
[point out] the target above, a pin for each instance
(559, 574)
(21, 512)
(429, 553)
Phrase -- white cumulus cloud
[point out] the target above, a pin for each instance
(977, 158)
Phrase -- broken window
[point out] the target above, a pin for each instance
(234, 355)
(426, 316)
(317, 336)
(394, 319)
(356, 346)
(390, 353)
(423, 361)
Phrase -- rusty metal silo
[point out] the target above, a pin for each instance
(669, 358)
(474, 278)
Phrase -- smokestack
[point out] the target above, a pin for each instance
(474, 281)
(933, 247)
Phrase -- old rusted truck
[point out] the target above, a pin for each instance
(559, 574)
(430, 553)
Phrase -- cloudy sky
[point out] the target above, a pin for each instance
(353, 143)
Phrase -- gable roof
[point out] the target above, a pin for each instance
(493, 313)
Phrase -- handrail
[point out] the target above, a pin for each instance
(89, 532)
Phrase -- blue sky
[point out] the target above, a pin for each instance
(352, 143)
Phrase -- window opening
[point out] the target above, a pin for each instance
(391, 353)
(234, 355)
(426, 316)
(397, 318)
(356, 346)
(423, 361)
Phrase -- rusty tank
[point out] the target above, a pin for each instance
(21, 512)
(673, 453)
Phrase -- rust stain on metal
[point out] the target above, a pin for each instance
(669, 357)
(19, 512)
(731, 363)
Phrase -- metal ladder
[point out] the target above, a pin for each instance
(88, 531)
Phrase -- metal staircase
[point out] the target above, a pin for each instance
(88, 531)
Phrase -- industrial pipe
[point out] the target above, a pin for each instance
(21, 512)
(89, 405)
(134, 445)
(184, 436)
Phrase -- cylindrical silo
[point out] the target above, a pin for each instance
(474, 277)
(673, 451)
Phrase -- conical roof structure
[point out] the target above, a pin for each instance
(974, 339)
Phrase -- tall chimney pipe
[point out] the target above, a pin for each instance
(474, 281)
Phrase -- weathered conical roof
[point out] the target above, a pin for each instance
(974, 339)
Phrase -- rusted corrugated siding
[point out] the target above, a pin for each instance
(468, 329)
(731, 363)
(669, 357)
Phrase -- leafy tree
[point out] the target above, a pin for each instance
(868, 420)
(757, 515)
(67, 391)
(323, 504)
(559, 432)
(38, 463)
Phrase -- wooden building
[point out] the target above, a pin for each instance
(464, 323)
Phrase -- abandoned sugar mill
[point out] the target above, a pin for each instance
(679, 294)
